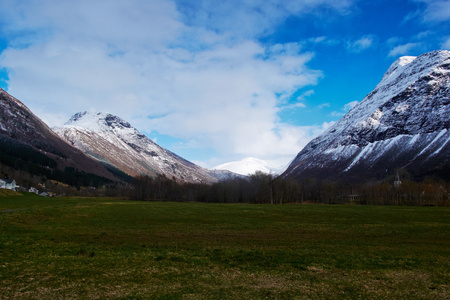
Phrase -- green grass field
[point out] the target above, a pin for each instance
(74, 248)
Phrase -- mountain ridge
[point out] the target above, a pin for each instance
(402, 123)
(112, 140)
(20, 129)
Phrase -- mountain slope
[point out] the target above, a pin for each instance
(27, 142)
(403, 123)
(114, 141)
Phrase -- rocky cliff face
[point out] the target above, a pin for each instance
(403, 123)
(114, 141)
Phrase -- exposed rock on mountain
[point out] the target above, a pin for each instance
(114, 141)
(403, 123)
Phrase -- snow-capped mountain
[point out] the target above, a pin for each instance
(32, 139)
(403, 123)
(114, 141)
(248, 166)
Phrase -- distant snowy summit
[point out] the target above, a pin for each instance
(248, 166)
(113, 141)
(403, 123)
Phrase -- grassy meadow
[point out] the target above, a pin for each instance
(98, 248)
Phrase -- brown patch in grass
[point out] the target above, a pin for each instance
(7, 193)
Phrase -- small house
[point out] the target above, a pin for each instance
(33, 190)
(8, 184)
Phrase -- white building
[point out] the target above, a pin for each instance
(8, 184)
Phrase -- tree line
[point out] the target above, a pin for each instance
(264, 188)
(29, 168)
(23, 161)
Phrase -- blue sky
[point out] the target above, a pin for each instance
(212, 81)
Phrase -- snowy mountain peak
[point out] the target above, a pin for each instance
(250, 165)
(246, 166)
(397, 66)
(113, 141)
(403, 123)
(97, 121)
(408, 69)
(76, 117)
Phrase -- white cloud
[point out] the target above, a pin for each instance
(362, 44)
(446, 44)
(337, 114)
(347, 107)
(293, 106)
(299, 101)
(350, 105)
(305, 94)
(164, 67)
(403, 49)
(252, 17)
(323, 40)
(318, 40)
(436, 10)
(323, 105)
(395, 40)
(423, 34)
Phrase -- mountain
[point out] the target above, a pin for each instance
(28, 145)
(402, 124)
(224, 175)
(247, 166)
(113, 141)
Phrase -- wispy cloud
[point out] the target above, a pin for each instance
(446, 44)
(323, 40)
(350, 105)
(395, 40)
(361, 44)
(430, 11)
(252, 18)
(323, 105)
(303, 96)
(403, 49)
(436, 10)
(347, 107)
(298, 101)
(292, 106)
(423, 34)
